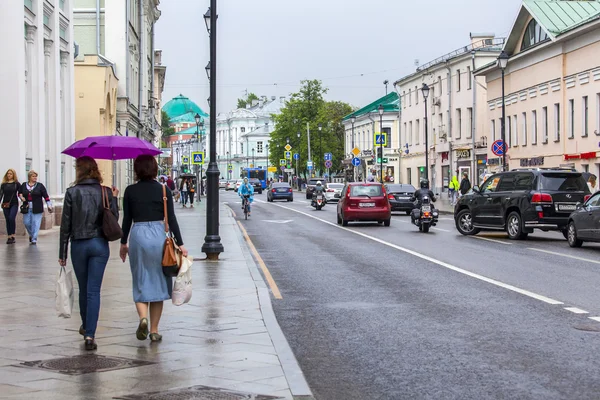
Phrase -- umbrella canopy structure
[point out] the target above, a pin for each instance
(111, 148)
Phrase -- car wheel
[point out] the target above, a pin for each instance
(344, 222)
(514, 226)
(379, 222)
(464, 223)
(408, 213)
(565, 233)
(291, 200)
(425, 228)
(572, 236)
(339, 219)
(387, 222)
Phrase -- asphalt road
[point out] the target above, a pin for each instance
(376, 312)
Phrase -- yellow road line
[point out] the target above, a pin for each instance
(263, 266)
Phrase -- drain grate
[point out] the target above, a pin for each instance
(84, 364)
(588, 328)
(197, 393)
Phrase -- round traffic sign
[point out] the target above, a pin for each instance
(328, 164)
(499, 147)
(356, 161)
(282, 167)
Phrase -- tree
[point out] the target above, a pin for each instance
(164, 124)
(241, 103)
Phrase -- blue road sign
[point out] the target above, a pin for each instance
(288, 155)
(185, 160)
(198, 158)
(328, 156)
(356, 161)
(498, 147)
(328, 164)
(296, 156)
(309, 164)
(380, 138)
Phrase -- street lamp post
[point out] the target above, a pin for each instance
(199, 123)
(267, 173)
(502, 63)
(425, 90)
(212, 246)
(253, 166)
(353, 120)
(381, 143)
(228, 177)
(320, 147)
(297, 171)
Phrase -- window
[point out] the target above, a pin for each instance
(469, 78)
(61, 4)
(508, 133)
(523, 181)
(458, 80)
(242, 147)
(406, 133)
(388, 131)
(410, 133)
(441, 87)
(493, 130)
(458, 123)
(534, 34)
(47, 20)
(62, 33)
(29, 4)
(534, 127)
(571, 119)
(416, 95)
(469, 122)
(259, 147)
(404, 97)
(491, 184)
(524, 128)
(557, 122)
(597, 114)
(409, 175)
(545, 125)
(417, 131)
(507, 183)
(432, 99)
(584, 120)
(515, 140)
(409, 98)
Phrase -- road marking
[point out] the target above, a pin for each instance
(278, 221)
(440, 229)
(490, 240)
(564, 255)
(436, 261)
(263, 266)
(597, 319)
(576, 310)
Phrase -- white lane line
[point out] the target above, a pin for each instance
(435, 261)
(491, 240)
(440, 229)
(597, 319)
(564, 255)
(576, 310)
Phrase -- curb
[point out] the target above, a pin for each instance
(291, 369)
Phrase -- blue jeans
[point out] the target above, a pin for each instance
(89, 258)
(10, 215)
(184, 197)
(32, 224)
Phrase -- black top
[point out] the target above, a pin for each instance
(37, 196)
(143, 202)
(9, 192)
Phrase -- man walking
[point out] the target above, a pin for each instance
(465, 184)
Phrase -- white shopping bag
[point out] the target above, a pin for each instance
(182, 289)
(64, 293)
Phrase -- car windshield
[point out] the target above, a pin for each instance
(400, 188)
(563, 182)
(365, 190)
(281, 185)
(313, 181)
(335, 185)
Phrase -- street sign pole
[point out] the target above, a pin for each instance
(297, 175)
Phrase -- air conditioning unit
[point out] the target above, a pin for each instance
(436, 101)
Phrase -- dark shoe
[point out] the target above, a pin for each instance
(30, 239)
(90, 344)
(142, 330)
(155, 337)
(13, 240)
(81, 331)
(33, 243)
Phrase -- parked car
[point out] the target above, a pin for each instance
(222, 183)
(310, 186)
(584, 222)
(520, 201)
(399, 196)
(364, 201)
(280, 191)
(230, 185)
(237, 184)
(331, 190)
(257, 185)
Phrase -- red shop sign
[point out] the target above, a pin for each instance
(587, 156)
(572, 156)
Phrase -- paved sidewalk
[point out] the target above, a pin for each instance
(227, 338)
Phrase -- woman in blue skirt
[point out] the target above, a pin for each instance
(143, 206)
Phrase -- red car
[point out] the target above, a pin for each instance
(363, 201)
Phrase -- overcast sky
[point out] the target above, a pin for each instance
(268, 46)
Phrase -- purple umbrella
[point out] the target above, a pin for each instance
(111, 148)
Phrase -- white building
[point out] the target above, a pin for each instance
(456, 135)
(243, 136)
(36, 76)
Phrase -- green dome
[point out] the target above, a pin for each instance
(182, 105)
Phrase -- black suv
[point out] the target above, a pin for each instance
(310, 186)
(520, 201)
(255, 182)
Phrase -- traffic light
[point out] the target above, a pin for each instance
(421, 169)
(379, 151)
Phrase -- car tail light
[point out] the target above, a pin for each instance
(426, 214)
(348, 192)
(540, 198)
(391, 196)
(586, 197)
(273, 190)
(290, 190)
(330, 190)
(540, 214)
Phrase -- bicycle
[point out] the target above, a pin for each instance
(246, 205)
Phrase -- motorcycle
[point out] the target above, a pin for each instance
(319, 201)
(426, 216)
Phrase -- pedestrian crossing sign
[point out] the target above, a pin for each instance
(380, 139)
(185, 160)
(282, 161)
(198, 158)
(288, 155)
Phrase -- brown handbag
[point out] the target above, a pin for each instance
(110, 225)
(170, 261)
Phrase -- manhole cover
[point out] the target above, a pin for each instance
(588, 328)
(197, 393)
(85, 364)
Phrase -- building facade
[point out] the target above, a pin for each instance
(243, 136)
(552, 88)
(37, 78)
(456, 105)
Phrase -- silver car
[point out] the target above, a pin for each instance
(332, 189)
(222, 183)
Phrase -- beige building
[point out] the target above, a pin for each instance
(96, 104)
(456, 134)
(552, 87)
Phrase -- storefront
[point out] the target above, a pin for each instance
(481, 166)
(463, 162)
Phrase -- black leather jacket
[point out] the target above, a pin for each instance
(418, 197)
(82, 213)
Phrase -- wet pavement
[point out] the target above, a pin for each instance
(225, 344)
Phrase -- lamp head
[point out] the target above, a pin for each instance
(425, 90)
(502, 60)
(380, 109)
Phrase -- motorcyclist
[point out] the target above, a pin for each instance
(319, 189)
(246, 189)
(418, 198)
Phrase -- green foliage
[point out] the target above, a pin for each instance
(308, 107)
(241, 103)
(165, 121)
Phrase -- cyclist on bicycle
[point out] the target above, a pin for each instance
(246, 189)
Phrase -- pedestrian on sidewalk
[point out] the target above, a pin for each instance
(465, 184)
(592, 184)
(33, 193)
(191, 192)
(81, 223)
(453, 188)
(143, 206)
(9, 196)
(183, 189)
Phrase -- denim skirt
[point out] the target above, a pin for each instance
(146, 244)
